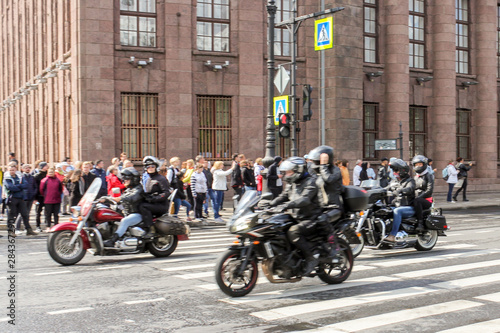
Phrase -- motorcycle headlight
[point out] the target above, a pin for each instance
(242, 223)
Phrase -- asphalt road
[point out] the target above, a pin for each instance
(453, 288)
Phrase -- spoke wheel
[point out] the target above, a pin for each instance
(427, 240)
(163, 246)
(60, 250)
(338, 272)
(228, 277)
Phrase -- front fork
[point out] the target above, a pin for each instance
(246, 251)
(77, 233)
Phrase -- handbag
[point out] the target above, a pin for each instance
(460, 183)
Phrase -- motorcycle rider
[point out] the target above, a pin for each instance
(301, 194)
(406, 187)
(156, 193)
(130, 199)
(424, 182)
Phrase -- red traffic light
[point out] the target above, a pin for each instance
(284, 119)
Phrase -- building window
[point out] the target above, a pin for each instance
(462, 36)
(417, 33)
(213, 25)
(370, 31)
(282, 36)
(418, 130)
(214, 114)
(140, 125)
(370, 131)
(138, 23)
(463, 133)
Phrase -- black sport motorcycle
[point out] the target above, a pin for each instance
(262, 237)
(375, 223)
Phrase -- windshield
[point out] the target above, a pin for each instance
(90, 195)
(370, 183)
(249, 198)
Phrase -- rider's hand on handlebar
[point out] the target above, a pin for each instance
(277, 209)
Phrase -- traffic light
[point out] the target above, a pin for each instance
(306, 102)
(284, 128)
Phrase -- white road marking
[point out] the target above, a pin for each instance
(226, 244)
(69, 311)
(195, 275)
(203, 251)
(207, 241)
(35, 253)
(212, 236)
(454, 234)
(395, 317)
(491, 326)
(213, 286)
(448, 269)
(145, 301)
(495, 297)
(483, 231)
(467, 282)
(115, 267)
(359, 268)
(4, 319)
(175, 259)
(53, 273)
(182, 268)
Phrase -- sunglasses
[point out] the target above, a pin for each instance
(151, 166)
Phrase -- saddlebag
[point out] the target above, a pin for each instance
(436, 222)
(169, 225)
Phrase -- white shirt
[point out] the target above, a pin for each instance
(452, 174)
(278, 181)
(355, 175)
(220, 180)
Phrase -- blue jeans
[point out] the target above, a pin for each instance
(450, 191)
(250, 188)
(177, 204)
(128, 221)
(399, 214)
(210, 197)
(219, 196)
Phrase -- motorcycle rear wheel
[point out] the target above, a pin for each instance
(163, 246)
(341, 270)
(61, 252)
(226, 274)
(427, 241)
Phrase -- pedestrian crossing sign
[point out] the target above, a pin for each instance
(280, 106)
(323, 34)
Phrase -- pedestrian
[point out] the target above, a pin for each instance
(43, 167)
(115, 161)
(127, 164)
(199, 189)
(430, 169)
(76, 187)
(51, 188)
(356, 173)
(36, 167)
(248, 176)
(123, 159)
(61, 175)
(78, 165)
(452, 180)
(12, 158)
(383, 172)
(87, 176)
(363, 174)
(370, 172)
(99, 171)
(180, 197)
(210, 190)
(15, 192)
(236, 177)
(463, 171)
(67, 161)
(344, 171)
(220, 185)
(29, 196)
(274, 183)
(113, 181)
(258, 167)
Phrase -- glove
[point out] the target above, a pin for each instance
(278, 209)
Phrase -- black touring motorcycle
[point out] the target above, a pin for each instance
(262, 237)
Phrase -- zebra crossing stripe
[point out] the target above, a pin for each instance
(195, 275)
(448, 269)
(179, 251)
(182, 268)
(490, 326)
(495, 297)
(468, 282)
(226, 244)
(356, 325)
(228, 239)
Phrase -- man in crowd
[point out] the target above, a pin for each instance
(356, 172)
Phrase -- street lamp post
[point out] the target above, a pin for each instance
(270, 128)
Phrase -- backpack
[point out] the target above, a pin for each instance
(445, 173)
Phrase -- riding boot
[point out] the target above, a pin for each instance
(149, 232)
(311, 261)
(111, 242)
(420, 227)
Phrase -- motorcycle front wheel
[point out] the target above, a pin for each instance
(338, 272)
(227, 275)
(427, 240)
(163, 246)
(358, 248)
(60, 250)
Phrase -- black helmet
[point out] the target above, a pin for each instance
(420, 159)
(399, 166)
(296, 164)
(151, 160)
(314, 155)
(131, 174)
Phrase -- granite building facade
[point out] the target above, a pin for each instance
(89, 79)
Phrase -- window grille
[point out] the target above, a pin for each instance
(214, 114)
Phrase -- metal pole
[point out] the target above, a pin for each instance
(293, 88)
(322, 88)
(270, 128)
(400, 140)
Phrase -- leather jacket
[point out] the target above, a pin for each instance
(424, 185)
(131, 198)
(302, 197)
(406, 188)
(156, 189)
(331, 179)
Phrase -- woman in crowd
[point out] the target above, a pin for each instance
(51, 188)
(76, 187)
(187, 180)
(220, 185)
(248, 176)
(113, 180)
(452, 180)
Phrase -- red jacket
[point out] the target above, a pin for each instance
(114, 181)
(51, 188)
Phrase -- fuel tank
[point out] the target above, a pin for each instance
(102, 215)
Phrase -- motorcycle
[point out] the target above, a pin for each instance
(376, 221)
(262, 237)
(93, 222)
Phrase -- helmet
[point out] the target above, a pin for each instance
(420, 159)
(151, 160)
(314, 155)
(399, 166)
(131, 174)
(296, 164)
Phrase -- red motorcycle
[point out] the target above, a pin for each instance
(92, 223)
